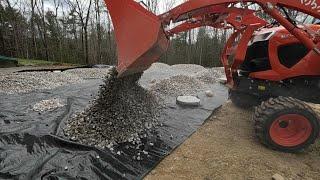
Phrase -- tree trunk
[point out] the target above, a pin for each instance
(3, 46)
(14, 32)
(189, 47)
(45, 39)
(86, 44)
(56, 4)
(98, 20)
(82, 45)
(44, 31)
(86, 32)
(34, 50)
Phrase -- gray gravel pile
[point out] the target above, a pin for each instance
(209, 75)
(187, 69)
(160, 71)
(178, 85)
(157, 72)
(24, 82)
(123, 112)
(30, 81)
(48, 105)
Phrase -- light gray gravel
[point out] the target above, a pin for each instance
(91, 73)
(48, 105)
(181, 79)
(210, 75)
(24, 82)
(187, 69)
(159, 71)
(178, 85)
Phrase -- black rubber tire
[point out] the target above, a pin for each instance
(270, 110)
(243, 100)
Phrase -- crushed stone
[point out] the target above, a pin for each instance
(25, 82)
(31, 81)
(123, 112)
(187, 69)
(178, 85)
(159, 71)
(209, 75)
(88, 73)
(48, 105)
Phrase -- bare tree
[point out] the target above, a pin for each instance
(82, 8)
(168, 4)
(98, 24)
(2, 24)
(57, 4)
(14, 26)
(33, 33)
(42, 27)
(81, 31)
(153, 5)
(109, 38)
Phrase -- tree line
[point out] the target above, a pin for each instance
(81, 32)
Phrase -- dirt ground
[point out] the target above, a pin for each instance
(226, 148)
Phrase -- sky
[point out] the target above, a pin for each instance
(49, 4)
(162, 6)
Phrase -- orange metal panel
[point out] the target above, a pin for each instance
(139, 36)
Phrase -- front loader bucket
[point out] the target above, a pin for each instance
(139, 35)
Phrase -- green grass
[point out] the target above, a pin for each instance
(32, 62)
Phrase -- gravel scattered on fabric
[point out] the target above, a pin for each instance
(127, 109)
(123, 112)
(48, 105)
(25, 82)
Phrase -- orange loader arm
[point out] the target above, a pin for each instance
(141, 36)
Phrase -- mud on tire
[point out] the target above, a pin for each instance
(286, 124)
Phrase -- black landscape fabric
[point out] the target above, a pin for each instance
(33, 146)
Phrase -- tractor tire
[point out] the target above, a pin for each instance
(286, 124)
(243, 100)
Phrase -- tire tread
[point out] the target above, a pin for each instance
(263, 115)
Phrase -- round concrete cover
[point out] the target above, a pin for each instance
(188, 100)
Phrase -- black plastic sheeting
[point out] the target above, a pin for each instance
(32, 144)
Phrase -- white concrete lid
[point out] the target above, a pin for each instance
(188, 100)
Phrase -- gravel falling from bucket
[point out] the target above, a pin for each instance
(122, 112)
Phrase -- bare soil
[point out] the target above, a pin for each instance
(226, 148)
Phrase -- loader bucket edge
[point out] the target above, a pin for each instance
(139, 36)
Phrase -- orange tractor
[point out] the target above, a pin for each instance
(272, 65)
